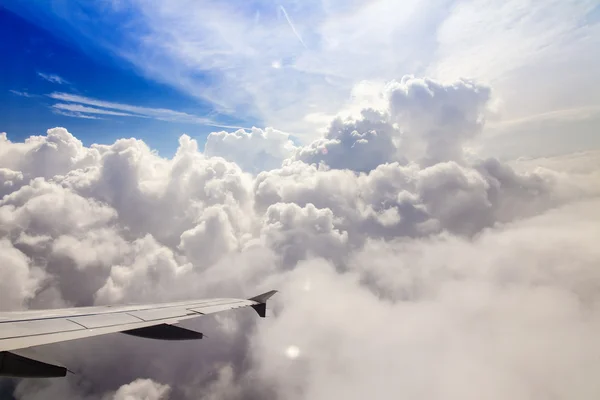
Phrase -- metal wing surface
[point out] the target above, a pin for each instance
(24, 329)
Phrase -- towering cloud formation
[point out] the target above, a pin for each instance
(404, 268)
(423, 121)
(442, 117)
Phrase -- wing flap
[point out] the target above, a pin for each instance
(161, 313)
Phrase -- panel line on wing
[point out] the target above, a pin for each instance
(203, 303)
(11, 321)
(75, 322)
(135, 316)
(133, 324)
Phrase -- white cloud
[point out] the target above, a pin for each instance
(139, 389)
(485, 39)
(142, 389)
(53, 78)
(256, 150)
(528, 51)
(542, 135)
(432, 273)
(359, 145)
(506, 315)
(19, 278)
(419, 119)
(297, 233)
(585, 162)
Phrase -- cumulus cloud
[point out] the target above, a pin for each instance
(422, 120)
(442, 116)
(359, 145)
(18, 278)
(255, 151)
(405, 267)
(142, 389)
(297, 233)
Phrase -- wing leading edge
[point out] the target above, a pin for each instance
(20, 330)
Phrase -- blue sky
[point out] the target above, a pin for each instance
(47, 64)
(183, 66)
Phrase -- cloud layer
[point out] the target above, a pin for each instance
(407, 265)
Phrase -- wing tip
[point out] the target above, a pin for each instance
(263, 297)
(261, 300)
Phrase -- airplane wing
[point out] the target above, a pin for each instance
(22, 329)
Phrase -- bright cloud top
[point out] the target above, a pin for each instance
(406, 263)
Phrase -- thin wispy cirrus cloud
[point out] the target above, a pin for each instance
(77, 106)
(53, 78)
(74, 114)
(90, 110)
(264, 64)
(21, 93)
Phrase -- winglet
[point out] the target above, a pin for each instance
(261, 299)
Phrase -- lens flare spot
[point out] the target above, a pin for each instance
(307, 286)
(292, 352)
